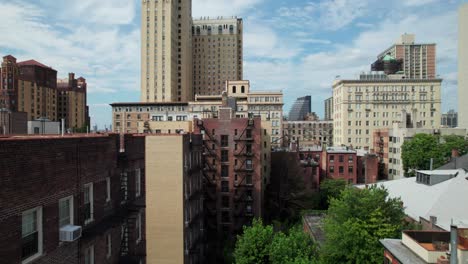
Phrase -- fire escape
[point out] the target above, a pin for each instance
(243, 185)
(210, 175)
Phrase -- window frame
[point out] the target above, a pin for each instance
(91, 202)
(39, 230)
(71, 209)
(138, 228)
(108, 245)
(137, 182)
(108, 189)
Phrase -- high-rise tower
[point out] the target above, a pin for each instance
(463, 66)
(166, 51)
(418, 61)
(217, 54)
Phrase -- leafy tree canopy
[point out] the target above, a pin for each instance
(356, 221)
(261, 244)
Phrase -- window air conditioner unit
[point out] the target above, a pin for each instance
(70, 233)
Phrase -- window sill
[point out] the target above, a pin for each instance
(89, 221)
(32, 258)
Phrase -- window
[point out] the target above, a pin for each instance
(341, 169)
(350, 169)
(138, 228)
(109, 245)
(89, 255)
(350, 159)
(248, 133)
(66, 211)
(341, 158)
(88, 203)
(248, 164)
(224, 170)
(225, 217)
(224, 155)
(332, 158)
(248, 179)
(332, 169)
(31, 234)
(225, 202)
(108, 189)
(137, 183)
(224, 186)
(224, 140)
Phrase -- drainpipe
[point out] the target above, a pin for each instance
(453, 244)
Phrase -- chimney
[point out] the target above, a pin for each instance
(455, 153)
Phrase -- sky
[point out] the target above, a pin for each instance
(297, 46)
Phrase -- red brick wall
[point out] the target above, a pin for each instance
(346, 175)
(40, 171)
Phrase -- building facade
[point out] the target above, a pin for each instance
(72, 102)
(235, 169)
(309, 133)
(217, 54)
(418, 60)
(328, 109)
(9, 73)
(300, 108)
(82, 203)
(449, 119)
(166, 51)
(13, 122)
(463, 65)
(175, 228)
(361, 106)
(340, 163)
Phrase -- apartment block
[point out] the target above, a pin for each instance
(166, 51)
(73, 199)
(174, 207)
(30, 87)
(72, 102)
(463, 65)
(361, 106)
(300, 108)
(13, 122)
(414, 60)
(217, 54)
(309, 133)
(328, 109)
(340, 163)
(235, 169)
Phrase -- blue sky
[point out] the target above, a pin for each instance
(297, 46)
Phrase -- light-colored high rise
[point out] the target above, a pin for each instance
(166, 51)
(419, 60)
(217, 54)
(361, 106)
(463, 66)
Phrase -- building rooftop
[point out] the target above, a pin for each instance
(447, 200)
(33, 63)
(149, 104)
(401, 252)
(340, 150)
(315, 224)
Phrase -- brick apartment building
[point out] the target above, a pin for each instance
(52, 184)
(234, 173)
(72, 102)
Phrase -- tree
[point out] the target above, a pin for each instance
(356, 221)
(260, 244)
(416, 153)
(330, 188)
(254, 245)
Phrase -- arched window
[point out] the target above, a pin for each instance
(234, 89)
(242, 89)
(198, 30)
(220, 29)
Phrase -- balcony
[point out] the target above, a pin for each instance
(246, 138)
(244, 169)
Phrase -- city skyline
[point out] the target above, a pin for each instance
(298, 47)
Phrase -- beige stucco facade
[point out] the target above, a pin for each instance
(217, 54)
(463, 66)
(173, 208)
(37, 101)
(165, 127)
(166, 51)
(361, 106)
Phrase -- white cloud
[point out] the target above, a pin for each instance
(418, 2)
(215, 8)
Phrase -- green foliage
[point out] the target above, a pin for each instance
(260, 244)
(417, 153)
(329, 189)
(356, 221)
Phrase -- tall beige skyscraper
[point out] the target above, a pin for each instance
(217, 54)
(463, 66)
(166, 51)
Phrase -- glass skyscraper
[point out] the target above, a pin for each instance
(300, 108)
